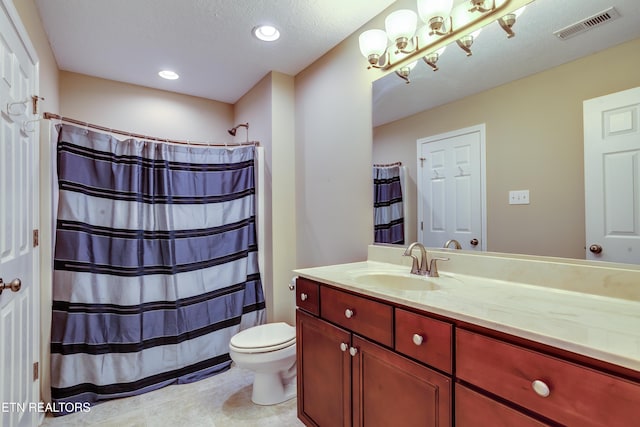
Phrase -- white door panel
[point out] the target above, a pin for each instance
(19, 315)
(451, 188)
(612, 177)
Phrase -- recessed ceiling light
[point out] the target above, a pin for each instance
(266, 33)
(168, 74)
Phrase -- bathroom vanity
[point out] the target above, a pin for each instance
(524, 341)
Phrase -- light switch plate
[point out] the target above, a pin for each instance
(519, 197)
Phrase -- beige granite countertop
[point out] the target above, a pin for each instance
(602, 321)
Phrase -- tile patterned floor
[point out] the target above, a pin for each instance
(223, 400)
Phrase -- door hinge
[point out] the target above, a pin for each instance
(36, 238)
(421, 225)
(422, 159)
(36, 371)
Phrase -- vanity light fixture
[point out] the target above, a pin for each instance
(507, 21)
(441, 23)
(404, 71)
(465, 42)
(432, 58)
(267, 33)
(169, 75)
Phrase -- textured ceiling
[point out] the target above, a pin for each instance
(208, 42)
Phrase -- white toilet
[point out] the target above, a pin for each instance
(270, 351)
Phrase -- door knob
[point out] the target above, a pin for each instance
(596, 249)
(474, 242)
(14, 285)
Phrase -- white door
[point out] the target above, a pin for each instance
(19, 319)
(612, 177)
(451, 189)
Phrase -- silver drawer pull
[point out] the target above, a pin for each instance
(304, 296)
(541, 388)
(348, 313)
(353, 351)
(344, 346)
(418, 339)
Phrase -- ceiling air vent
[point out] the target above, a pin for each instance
(587, 24)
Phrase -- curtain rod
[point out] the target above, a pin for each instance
(387, 165)
(52, 116)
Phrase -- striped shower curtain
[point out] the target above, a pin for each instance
(388, 215)
(155, 264)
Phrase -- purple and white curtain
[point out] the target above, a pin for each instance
(388, 212)
(156, 264)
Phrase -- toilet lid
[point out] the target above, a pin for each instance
(267, 337)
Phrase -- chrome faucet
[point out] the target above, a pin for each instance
(456, 244)
(423, 267)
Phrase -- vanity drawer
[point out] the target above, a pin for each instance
(366, 317)
(308, 295)
(424, 339)
(476, 410)
(577, 395)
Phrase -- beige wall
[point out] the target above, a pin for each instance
(534, 140)
(269, 109)
(333, 158)
(283, 174)
(144, 110)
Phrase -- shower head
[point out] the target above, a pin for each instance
(233, 130)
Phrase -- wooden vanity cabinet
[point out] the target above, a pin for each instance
(346, 378)
(367, 362)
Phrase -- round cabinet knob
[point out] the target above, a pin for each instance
(348, 313)
(541, 388)
(353, 351)
(304, 296)
(474, 242)
(596, 249)
(417, 339)
(344, 346)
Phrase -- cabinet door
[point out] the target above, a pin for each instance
(390, 390)
(324, 397)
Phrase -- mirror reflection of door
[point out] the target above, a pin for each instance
(612, 177)
(451, 189)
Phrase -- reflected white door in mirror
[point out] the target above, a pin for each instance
(451, 188)
(612, 177)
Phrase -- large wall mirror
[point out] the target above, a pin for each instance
(528, 92)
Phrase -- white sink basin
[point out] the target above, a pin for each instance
(396, 281)
(400, 281)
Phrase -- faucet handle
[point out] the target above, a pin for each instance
(415, 268)
(433, 266)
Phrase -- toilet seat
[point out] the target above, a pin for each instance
(264, 338)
